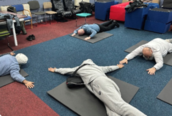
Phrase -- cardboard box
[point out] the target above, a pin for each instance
(124, 1)
(153, 1)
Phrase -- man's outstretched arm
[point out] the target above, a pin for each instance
(63, 70)
(19, 78)
(159, 63)
(107, 69)
(76, 31)
(93, 32)
(131, 55)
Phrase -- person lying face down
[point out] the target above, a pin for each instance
(93, 29)
(155, 49)
(9, 64)
(102, 87)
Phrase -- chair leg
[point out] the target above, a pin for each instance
(76, 21)
(85, 20)
(9, 44)
(10, 47)
(50, 18)
(37, 21)
(45, 18)
(31, 24)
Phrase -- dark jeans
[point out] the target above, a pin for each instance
(107, 25)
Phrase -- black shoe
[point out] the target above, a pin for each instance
(33, 37)
(114, 21)
(29, 38)
(117, 25)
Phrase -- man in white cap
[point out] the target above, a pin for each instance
(9, 64)
(102, 87)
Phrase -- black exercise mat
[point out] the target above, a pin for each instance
(4, 80)
(84, 103)
(4, 54)
(96, 38)
(167, 4)
(136, 46)
(166, 94)
(167, 59)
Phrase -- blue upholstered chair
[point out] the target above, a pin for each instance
(158, 20)
(20, 8)
(137, 18)
(102, 9)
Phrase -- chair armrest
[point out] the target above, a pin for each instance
(3, 22)
(76, 6)
(4, 18)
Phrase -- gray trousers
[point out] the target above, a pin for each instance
(108, 92)
(23, 27)
(103, 88)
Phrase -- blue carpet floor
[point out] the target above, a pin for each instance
(67, 51)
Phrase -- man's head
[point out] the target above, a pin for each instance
(21, 58)
(81, 32)
(147, 52)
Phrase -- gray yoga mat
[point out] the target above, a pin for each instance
(4, 80)
(84, 103)
(166, 94)
(136, 46)
(4, 54)
(167, 59)
(96, 38)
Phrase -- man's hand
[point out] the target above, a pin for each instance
(51, 69)
(28, 84)
(120, 65)
(73, 34)
(124, 61)
(12, 53)
(87, 38)
(151, 71)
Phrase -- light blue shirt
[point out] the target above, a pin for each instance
(92, 29)
(9, 65)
